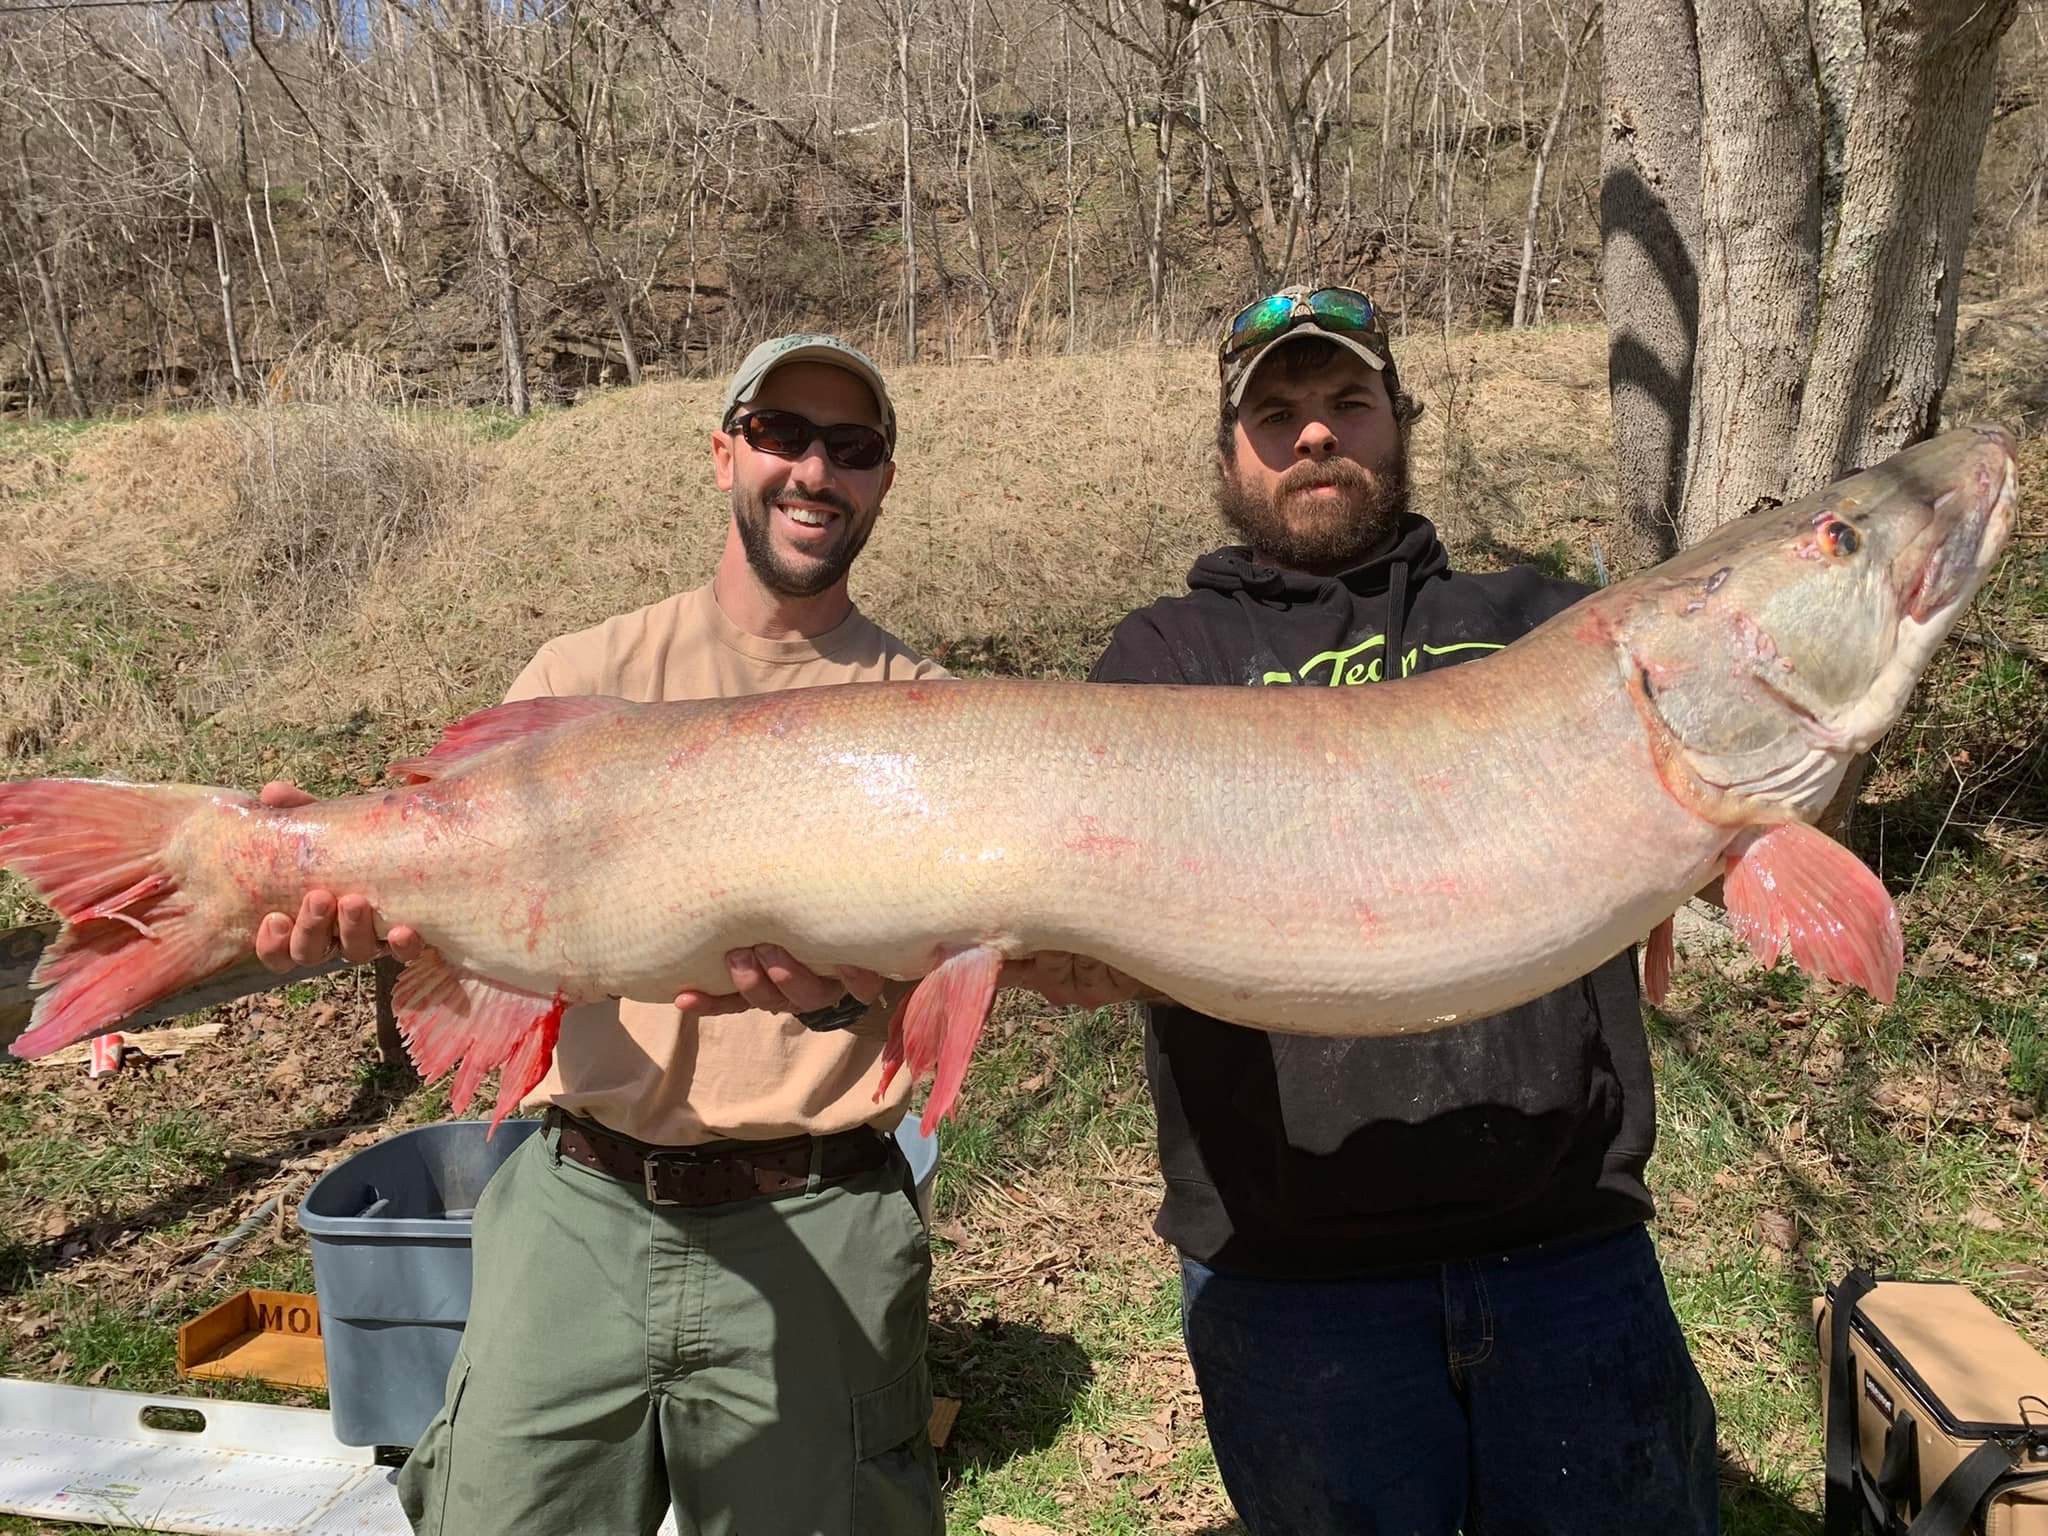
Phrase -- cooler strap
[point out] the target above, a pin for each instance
(1842, 1506)
(1955, 1502)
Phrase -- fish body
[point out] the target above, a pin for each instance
(1329, 861)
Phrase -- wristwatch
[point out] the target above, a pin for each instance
(843, 1014)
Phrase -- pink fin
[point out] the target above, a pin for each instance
(497, 725)
(451, 1016)
(937, 1026)
(1795, 888)
(1657, 957)
(132, 937)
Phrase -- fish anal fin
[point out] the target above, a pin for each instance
(1791, 888)
(450, 1017)
(1657, 961)
(493, 727)
(936, 1027)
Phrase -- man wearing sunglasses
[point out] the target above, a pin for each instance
(705, 1280)
(1418, 1289)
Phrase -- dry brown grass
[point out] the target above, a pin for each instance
(329, 501)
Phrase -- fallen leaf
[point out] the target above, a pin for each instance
(100, 1375)
(288, 1075)
(1003, 1525)
(1983, 1220)
(56, 1224)
(1032, 1083)
(1778, 1230)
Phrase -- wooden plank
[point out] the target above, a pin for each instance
(21, 948)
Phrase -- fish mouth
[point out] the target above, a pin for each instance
(1968, 525)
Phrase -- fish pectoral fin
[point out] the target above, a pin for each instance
(499, 724)
(936, 1026)
(1791, 887)
(1657, 960)
(448, 1015)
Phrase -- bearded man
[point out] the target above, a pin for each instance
(704, 1282)
(1419, 1293)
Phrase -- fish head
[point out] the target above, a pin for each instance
(1787, 642)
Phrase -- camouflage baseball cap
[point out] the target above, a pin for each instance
(1342, 315)
(806, 347)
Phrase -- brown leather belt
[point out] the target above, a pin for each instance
(720, 1174)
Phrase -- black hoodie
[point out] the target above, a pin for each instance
(1300, 1155)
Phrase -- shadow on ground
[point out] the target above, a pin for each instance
(22, 1263)
(1017, 1386)
(1748, 1508)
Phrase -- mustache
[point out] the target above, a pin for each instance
(824, 496)
(1346, 474)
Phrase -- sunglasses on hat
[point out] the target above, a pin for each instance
(1342, 310)
(789, 436)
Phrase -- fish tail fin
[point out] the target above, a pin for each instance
(1793, 888)
(937, 1025)
(98, 852)
(1657, 960)
(449, 1017)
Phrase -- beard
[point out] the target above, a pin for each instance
(1300, 533)
(802, 575)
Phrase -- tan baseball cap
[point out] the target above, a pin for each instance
(807, 347)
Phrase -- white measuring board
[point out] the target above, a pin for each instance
(83, 1455)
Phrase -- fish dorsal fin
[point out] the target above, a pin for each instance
(499, 724)
(1794, 888)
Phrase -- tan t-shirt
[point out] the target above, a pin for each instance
(636, 1067)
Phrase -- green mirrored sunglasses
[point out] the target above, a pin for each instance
(1336, 309)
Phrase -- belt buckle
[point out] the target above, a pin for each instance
(647, 1173)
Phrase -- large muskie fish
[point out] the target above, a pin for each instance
(1319, 861)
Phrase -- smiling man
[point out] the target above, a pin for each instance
(1418, 1289)
(705, 1280)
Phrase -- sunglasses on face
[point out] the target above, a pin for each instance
(1334, 309)
(789, 436)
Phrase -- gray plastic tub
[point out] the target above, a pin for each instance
(390, 1231)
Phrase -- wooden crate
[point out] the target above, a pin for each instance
(270, 1336)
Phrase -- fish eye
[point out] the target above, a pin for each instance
(1839, 538)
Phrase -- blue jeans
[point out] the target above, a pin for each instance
(1543, 1391)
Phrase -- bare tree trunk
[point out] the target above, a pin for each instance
(1649, 240)
(512, 345)
(1387, 106)
(832, 70)
(225, 274)
(1895, 260)
(909, 192)
(1067, 121)
(1162, 202)
(53, 316)
(1543, 153)
(1760, 213)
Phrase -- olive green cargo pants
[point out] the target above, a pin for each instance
(760, 1363)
